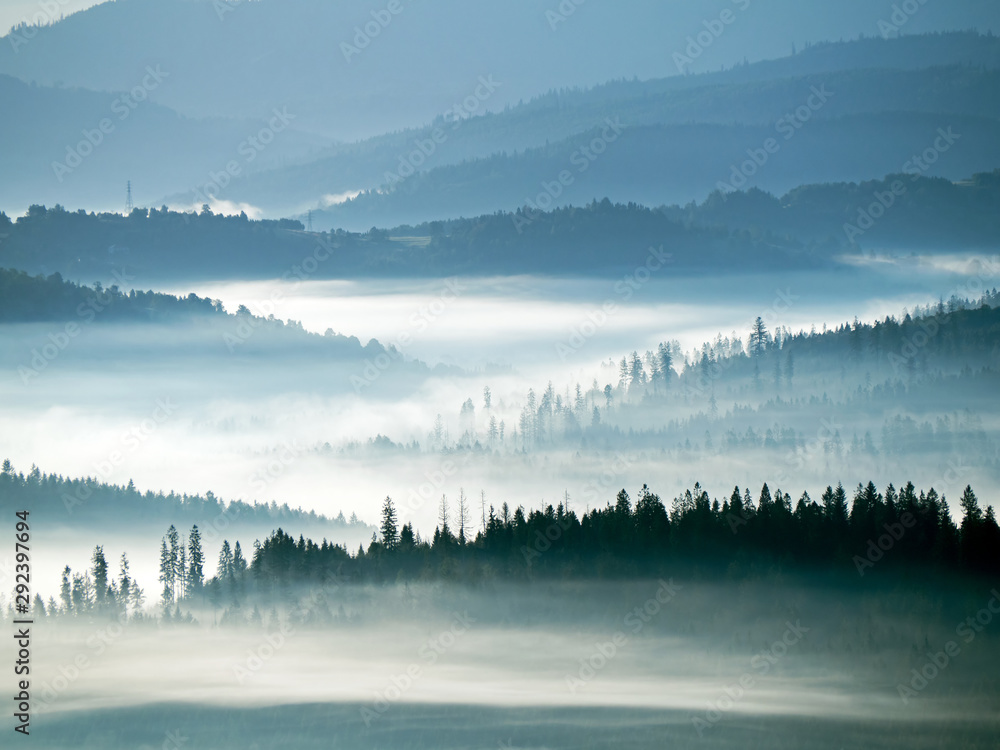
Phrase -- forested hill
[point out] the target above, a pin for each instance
(883, 101)
(737, 230)
(165, 244)
(211, 331)
(737, 533)
(897, 535)
(92, 503)
(905, 210)
(943, 338)
(900, 535)
(30, 299)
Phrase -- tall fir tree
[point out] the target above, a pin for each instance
(196, 563)
(388, 529)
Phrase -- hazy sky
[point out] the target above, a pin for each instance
(15, 11)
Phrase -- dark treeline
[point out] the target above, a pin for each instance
(28, 299)
(155, 241)
(894, 530)
(742, 230)
(90, 502)
(935, 339)
(912, 211)
(171, 244)
(32, 299)
(902, 527)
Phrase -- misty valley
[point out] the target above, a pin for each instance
(539, 375)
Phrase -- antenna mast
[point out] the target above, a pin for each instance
(128, 199)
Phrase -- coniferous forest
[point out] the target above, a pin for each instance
(538, 374)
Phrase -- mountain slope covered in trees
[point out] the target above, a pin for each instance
(739, 230)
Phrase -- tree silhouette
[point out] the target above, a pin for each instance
(388, 528)
(196, 563)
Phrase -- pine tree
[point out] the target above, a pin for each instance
(666, 361)
(125, 592)
(173, 539)
(65, 591)
(636, 372)
(182, 570)
(973, 514)
(100, 577)
(239, 572)
(239, 561)
(167, 569)
(225, 570)
(443, 518)
(406, 537)
(463, 516)
(623, 374)
(758, 338)
(388, 530)
(196, 563)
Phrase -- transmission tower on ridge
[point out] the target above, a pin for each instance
(128, 199)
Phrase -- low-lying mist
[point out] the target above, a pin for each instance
(707, 658)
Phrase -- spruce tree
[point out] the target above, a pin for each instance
(166, 574)
(100, 577)
(388, 529)
(196, 563)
